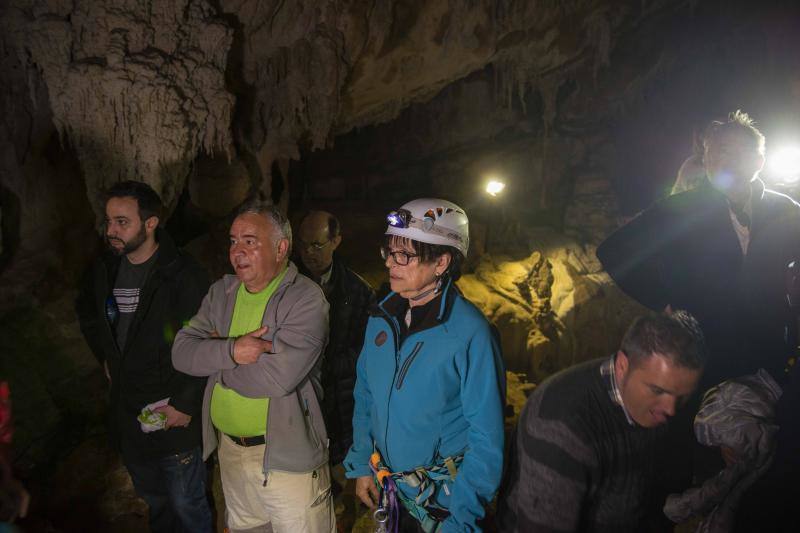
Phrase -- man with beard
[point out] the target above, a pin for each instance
(589, 447)
(133, 301)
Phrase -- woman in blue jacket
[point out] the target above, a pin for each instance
(430, 388)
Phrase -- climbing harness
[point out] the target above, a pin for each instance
(426, 480)
(387, 515)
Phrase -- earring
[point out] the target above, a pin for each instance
(438, 288)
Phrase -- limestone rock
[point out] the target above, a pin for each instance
(517, 391)
(137, 88)
(592, 211)
(554, 308)
(218, 185)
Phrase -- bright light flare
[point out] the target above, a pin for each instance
(784, 164)
(494, 187)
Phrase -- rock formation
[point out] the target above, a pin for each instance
(584, 107)
(137, 88)
(554, 308)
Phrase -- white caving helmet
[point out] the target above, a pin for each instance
(433, 221)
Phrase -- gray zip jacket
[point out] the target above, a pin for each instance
(297, 317)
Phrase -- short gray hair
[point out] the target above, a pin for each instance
(281, 227)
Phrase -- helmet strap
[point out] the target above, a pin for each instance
(436, 289)
(422, 295)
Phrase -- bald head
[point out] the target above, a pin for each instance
(318, 238)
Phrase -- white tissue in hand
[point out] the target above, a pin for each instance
(152, 421)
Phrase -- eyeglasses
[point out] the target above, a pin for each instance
(398, 256)
(313, 246)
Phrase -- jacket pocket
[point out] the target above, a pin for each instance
(312, 431)
(407, 364)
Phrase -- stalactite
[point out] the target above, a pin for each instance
(598, 30)
(137, 89)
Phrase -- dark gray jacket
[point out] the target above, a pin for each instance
(350, 298)
(297, 317)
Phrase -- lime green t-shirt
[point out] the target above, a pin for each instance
(231, 412)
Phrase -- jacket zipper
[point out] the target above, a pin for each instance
(407, 364)
(395, 335)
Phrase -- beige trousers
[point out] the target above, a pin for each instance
(290, 502)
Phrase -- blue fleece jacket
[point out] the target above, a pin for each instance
(437, 394)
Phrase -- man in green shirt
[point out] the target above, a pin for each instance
(259, 336)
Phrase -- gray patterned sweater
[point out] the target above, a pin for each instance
(577, 463)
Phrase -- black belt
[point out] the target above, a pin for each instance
(247, 441)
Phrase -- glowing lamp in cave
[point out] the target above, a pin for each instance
(494, 187)
(784, 164)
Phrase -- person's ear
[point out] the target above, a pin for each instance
(443, 263)
(621, 364)
(335, 242)
(151, 224)
(283, 250)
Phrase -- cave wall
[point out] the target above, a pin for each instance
(140, 88)
(581, 150)
(584, 107)
(210, 101)
(136, 88)
(143, 88)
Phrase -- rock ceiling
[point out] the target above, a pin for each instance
(141, 87)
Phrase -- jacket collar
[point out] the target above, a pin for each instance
(757, 191)
(232, 282)
(337, 275)
(610, 379)
(393, 304)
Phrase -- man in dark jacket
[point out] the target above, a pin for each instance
(349, 297)
(133, 301)
(778, 490)
(719, 251)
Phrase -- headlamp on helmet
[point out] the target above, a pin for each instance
(432, 221)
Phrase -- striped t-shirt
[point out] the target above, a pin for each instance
(127, 290)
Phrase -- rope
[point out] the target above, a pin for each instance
(427, 481)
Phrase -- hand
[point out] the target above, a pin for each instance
(105, 368)
(248, 348)
(367, 491)
(174, 417)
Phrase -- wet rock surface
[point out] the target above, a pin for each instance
(554, 308)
